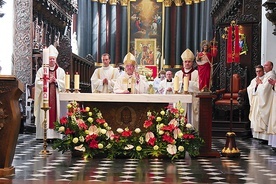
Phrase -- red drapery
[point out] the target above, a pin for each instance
(233, 50)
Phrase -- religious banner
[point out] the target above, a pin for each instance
(146, 25)
(233, 48)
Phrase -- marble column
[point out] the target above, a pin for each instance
(167, 39)
(95, 30)
(82, 27)
(124, 33)
(178, 61)
(195, 36)
(113, 30)
(202, 21)
(103, 23)
(188, 20)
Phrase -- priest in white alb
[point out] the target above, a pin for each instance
(271, 129)
(56, 84)
(166, 86)
(189, 73)
(130, 82)
(103, 79)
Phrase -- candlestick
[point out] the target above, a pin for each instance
(176, 84)
(186, 84)
(77, 81)
(67, 81)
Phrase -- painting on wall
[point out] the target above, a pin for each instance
(146, 25)
(145, 51)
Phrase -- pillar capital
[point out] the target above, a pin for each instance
(178, 2)
(188, 2)
(196, 1)
(124, 2)
(103, 1)
(112, 2)
(168, 3)
(94, 0)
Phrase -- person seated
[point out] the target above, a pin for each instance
(131, 82)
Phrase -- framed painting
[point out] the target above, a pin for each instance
(145, 51)
(145, 27)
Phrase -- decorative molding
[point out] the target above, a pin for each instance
(64, 57)
(103, 1)
(167, 3)
(112, 2)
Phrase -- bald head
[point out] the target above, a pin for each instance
(268, 66)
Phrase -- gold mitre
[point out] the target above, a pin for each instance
(187, 55)
(129, 59)
(53, 52)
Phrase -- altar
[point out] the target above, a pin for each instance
(124, 110)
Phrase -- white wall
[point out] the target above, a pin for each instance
(268, 40)
(6, 38)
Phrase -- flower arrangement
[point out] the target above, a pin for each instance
(165, 133)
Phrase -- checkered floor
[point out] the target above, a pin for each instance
(257, 164)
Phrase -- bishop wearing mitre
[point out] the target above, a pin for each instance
(130, 82)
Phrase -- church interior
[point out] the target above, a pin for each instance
(83, 30)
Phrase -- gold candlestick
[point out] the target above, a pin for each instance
(45, 151)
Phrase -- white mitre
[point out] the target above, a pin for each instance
(53, 52)
(129, 59)
(187, 55)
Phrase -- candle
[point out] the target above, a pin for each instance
(186, 83)
(176, 83)
(67, 81)
(77, 81)
(46, 56)
(45, 78)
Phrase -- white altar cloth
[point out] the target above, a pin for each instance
(111, 97)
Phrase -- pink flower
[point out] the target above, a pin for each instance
(93, 130)
(168, 138)
(188, 136)
(171, 149)
(126, 133)
(149, 135)
(170, 127)
(93, 144)
(100, 121)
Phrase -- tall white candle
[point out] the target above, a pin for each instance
(176, 83)
(186, 83)
(67, 81)
(45, 76)
(76, 81)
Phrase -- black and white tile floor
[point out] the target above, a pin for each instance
(257, 164)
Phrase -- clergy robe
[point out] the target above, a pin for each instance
(125, 82)
(193, 89)
(163, 87)
(38, 103)
(110, 73)
(260, 101)
(271, 129)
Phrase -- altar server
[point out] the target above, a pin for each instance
(166, 86)
(193, 85)
(131, 81)
(103, 79)
(56, 85)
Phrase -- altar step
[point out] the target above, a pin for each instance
(221, 127)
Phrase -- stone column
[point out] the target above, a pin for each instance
(102, 34)
(22, 50)
(113, 30)
(195, 35)
(167, 39)
(188, 25)
(124, 32)
(178, 61)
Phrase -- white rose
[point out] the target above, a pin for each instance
(87, 109)
(61, 129)
(162, 113)
(189, 125)
(180, 148)
(182, 111)
(75, 140)
(138, 148)
(90, 120)
(119, 130)
(161, 132)
(158, 119)
(105, 125)
(137, 130)
(100, 146)
(90, 113)
(103, 131)
(148, 113)
(155, 147)
(69, 106)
